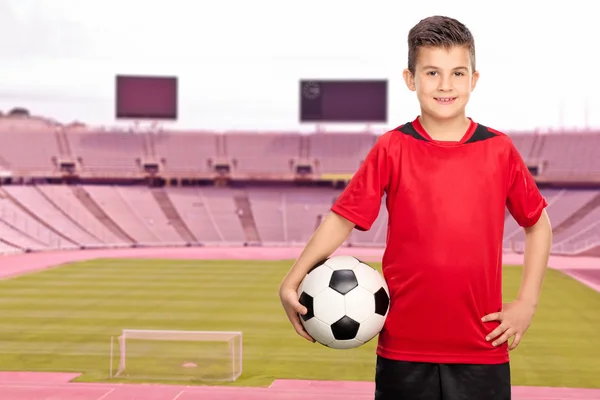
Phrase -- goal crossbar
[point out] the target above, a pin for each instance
(206, 336)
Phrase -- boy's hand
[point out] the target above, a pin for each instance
(291, 305)
(514, 318)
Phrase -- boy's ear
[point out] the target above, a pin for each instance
(409, 79)
(474, 80)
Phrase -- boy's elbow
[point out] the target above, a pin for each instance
(542, 225)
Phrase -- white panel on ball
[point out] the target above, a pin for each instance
(316, 281)
(329, 306)
(360, 304)
(369, 278)
(345, 344)
(370, 328)
(319, 331)
(342, 262)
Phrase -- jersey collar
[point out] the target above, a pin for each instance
(416, 125)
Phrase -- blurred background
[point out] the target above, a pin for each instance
(235, 125)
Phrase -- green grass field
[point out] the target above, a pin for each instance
(62, 320)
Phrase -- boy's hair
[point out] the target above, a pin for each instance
(438, 31)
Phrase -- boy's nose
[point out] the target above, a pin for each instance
(445, 84)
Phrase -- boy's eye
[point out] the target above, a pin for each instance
(434, 73)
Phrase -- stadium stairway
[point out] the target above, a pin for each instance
(67, 216)
(578, 215)
(62, 142)
(242, 202)
(167, 207)
(97, 211)
(149, 148)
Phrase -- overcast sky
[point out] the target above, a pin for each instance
(239, 61)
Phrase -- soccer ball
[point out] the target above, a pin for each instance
(347, 302)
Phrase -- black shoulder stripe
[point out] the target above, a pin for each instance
(480, 134)
(409, 129)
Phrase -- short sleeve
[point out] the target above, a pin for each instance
(360, 202)
(524, 200)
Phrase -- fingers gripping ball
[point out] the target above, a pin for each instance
(347, 302)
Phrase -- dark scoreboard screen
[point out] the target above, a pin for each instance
(146, 97)
(360, 101)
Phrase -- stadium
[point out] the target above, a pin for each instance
(163, 164)
(163, 232)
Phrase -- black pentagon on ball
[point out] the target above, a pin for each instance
(345, 328)
(307, 301)
(343, 281)
(382, 302)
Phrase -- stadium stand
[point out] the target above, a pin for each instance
(184, 153)
(67, 188)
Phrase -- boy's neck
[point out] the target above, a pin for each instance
(452, 129)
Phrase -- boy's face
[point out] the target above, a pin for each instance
(443, 80)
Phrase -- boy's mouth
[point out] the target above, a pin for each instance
(445, 100)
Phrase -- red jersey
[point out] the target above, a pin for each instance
(446, 203)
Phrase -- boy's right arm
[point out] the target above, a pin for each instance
(328, 237)
(357, 207)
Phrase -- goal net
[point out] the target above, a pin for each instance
(176, 355)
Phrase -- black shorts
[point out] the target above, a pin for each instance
(401, 380)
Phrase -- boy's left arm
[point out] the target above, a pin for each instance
(516, 317)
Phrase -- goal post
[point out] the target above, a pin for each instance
(176, 355)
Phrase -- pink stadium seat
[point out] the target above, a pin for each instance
(62, 221)
(111, 200)
(64, 199)
(583, 232)
(268, 210)
(339, 153)
(46, 217)
(194, 210)
(262, 153)
(107, 151)
(566, 155)
(561, 207)
(187, 152)
(136, 211)
(144, 207)
(220, 205)
(584, 240)
(28, 151)
(289, 215)
(6, 248)
(27, 231)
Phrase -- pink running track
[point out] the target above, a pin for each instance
(58, 386)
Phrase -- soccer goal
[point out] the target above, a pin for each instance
(176, 355)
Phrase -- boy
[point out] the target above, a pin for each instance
(448, 181)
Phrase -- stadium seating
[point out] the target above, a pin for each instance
(570, 154)
(49, 216)
(339, 153)
(66, 203)
(561, 206)
(104, 152)
(23, 229)
(33, 152)
(184, 152)
(262, 153)
(41, 216)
